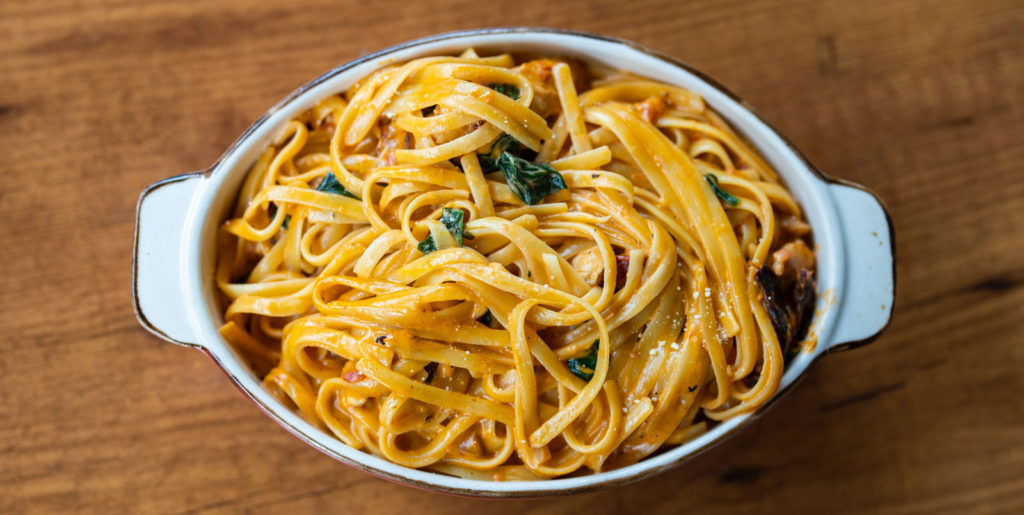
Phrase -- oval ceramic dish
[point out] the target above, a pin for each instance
(178, 218)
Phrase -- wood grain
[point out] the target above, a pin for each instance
(919, 100)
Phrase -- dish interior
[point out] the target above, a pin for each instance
(226, 177)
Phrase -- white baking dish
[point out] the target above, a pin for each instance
(178, 218)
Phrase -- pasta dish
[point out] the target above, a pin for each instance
(514, 268)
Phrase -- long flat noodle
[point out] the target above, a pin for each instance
(272, 289)
(527, 417)
(496, 117)
(733, 144)
(637, 90)
(479, 73)
(377, 250)
(425, 350)
(366, 114)
(592, 159)
(436, 396)
(571, 107)
(697, 202)
(594, 179)
(382, 272)
(428, 125)
(443, 90)
(449, 150)
(350, 209)
(478, 184)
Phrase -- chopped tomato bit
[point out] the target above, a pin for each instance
(353, 376)
(539, 69)
(621, 269)
(651, 109)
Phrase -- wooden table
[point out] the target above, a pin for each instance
(920, 101)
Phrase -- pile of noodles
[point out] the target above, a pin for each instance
(514, 270)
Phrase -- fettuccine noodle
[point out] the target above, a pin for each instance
(514, 270)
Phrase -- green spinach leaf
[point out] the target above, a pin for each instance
(584, 366)
(509, 90)
(453, 220)
(505, 143)
(330, 184)
(530, 181)
(272, 212)
(427, 246)
(726, 197)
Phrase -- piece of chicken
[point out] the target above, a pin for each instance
(589, 265)
(796, 255)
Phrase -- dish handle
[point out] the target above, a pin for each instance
(866, 304)
(157, 281)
